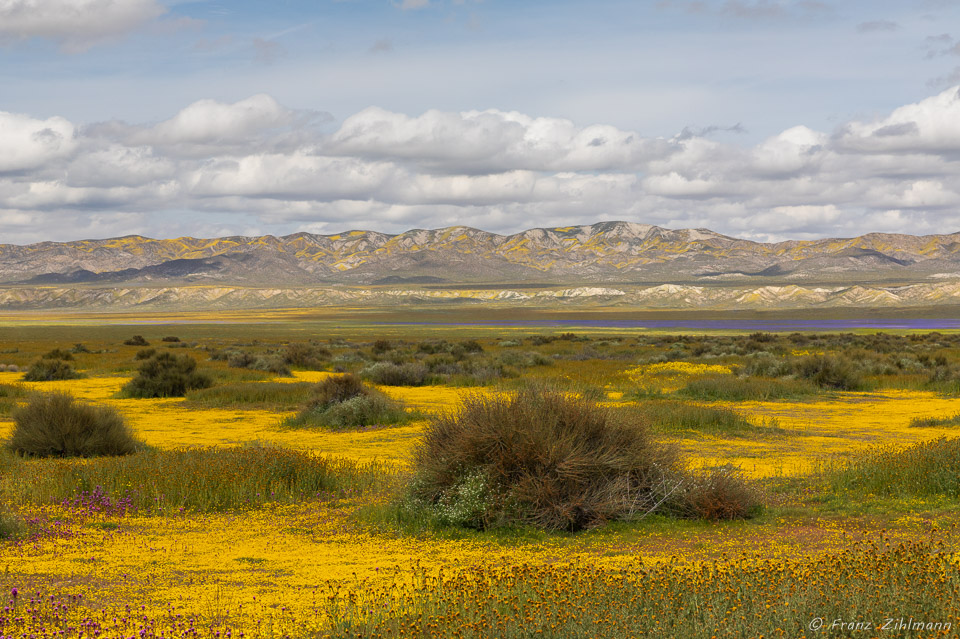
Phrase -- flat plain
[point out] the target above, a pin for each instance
(215, 529)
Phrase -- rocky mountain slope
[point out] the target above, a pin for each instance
(610, 264)
(608, 252)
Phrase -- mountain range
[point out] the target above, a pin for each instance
(616, 262)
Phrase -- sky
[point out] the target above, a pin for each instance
(762, 119)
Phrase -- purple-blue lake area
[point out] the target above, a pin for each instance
(820, 326)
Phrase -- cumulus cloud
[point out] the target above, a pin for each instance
(255, 163)
(26, 143)
(75, 24)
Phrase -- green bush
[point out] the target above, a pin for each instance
(166, 375)
(309, 356)
(58, 353)
(356, 412)
(170, 338)
(541, 458)
(145, 353)
(136, 340)
(48, 370)
(342, 401)
(390, 374)
(829, 371)
(55, 425)
(339, 388)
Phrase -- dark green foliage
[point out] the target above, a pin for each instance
(48, 370)
(309, 356)
(145, 353)
(55, 425)
(79, 348)
(58, 353)
(390, 374)
(137, 340)
(831, 371)
(381, 346)
(170, 338)
(542, 458)
(166, 375)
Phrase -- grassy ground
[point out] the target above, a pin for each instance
(298, 538)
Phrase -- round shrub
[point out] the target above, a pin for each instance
(829, 371)
(342, 401)
(390, 374)
(49, 370)
(56, 425)
(136, 340)
(542, 458)
(339, 388)
(166, 375)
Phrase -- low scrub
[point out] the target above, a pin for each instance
(136, 340)
(56, 425)
(543, 458)
(262, 395)
(740, 389)
(831, 372)
(343, 402)
(197, 479)
(935, 422)
(722, 493)
(390, 374)
(920, 470)
(671, 415)
(50, 370)
(166, 375)
(58, 353)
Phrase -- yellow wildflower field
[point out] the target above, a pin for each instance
(336, 565)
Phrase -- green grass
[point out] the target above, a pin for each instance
(924, 469)
(260, 395)
(932, 422)
(199, 480)
(740, 389)
(671, 416)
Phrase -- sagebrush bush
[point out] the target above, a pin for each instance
(342, 401)
(166, 375)
(145, 353)
(58, 353)
(356, 412)
(56, 425)
(301, 355)
(339, 388)
(829, 371)
(170, 338)
(48, 370)
(543, 458)
(390, 374)
(137, 340)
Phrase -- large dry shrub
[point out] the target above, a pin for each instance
(541, 457)
(56, 425)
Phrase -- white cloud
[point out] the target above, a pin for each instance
(931, 125)
(75, 24)
(257, 164)
(26, 143)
